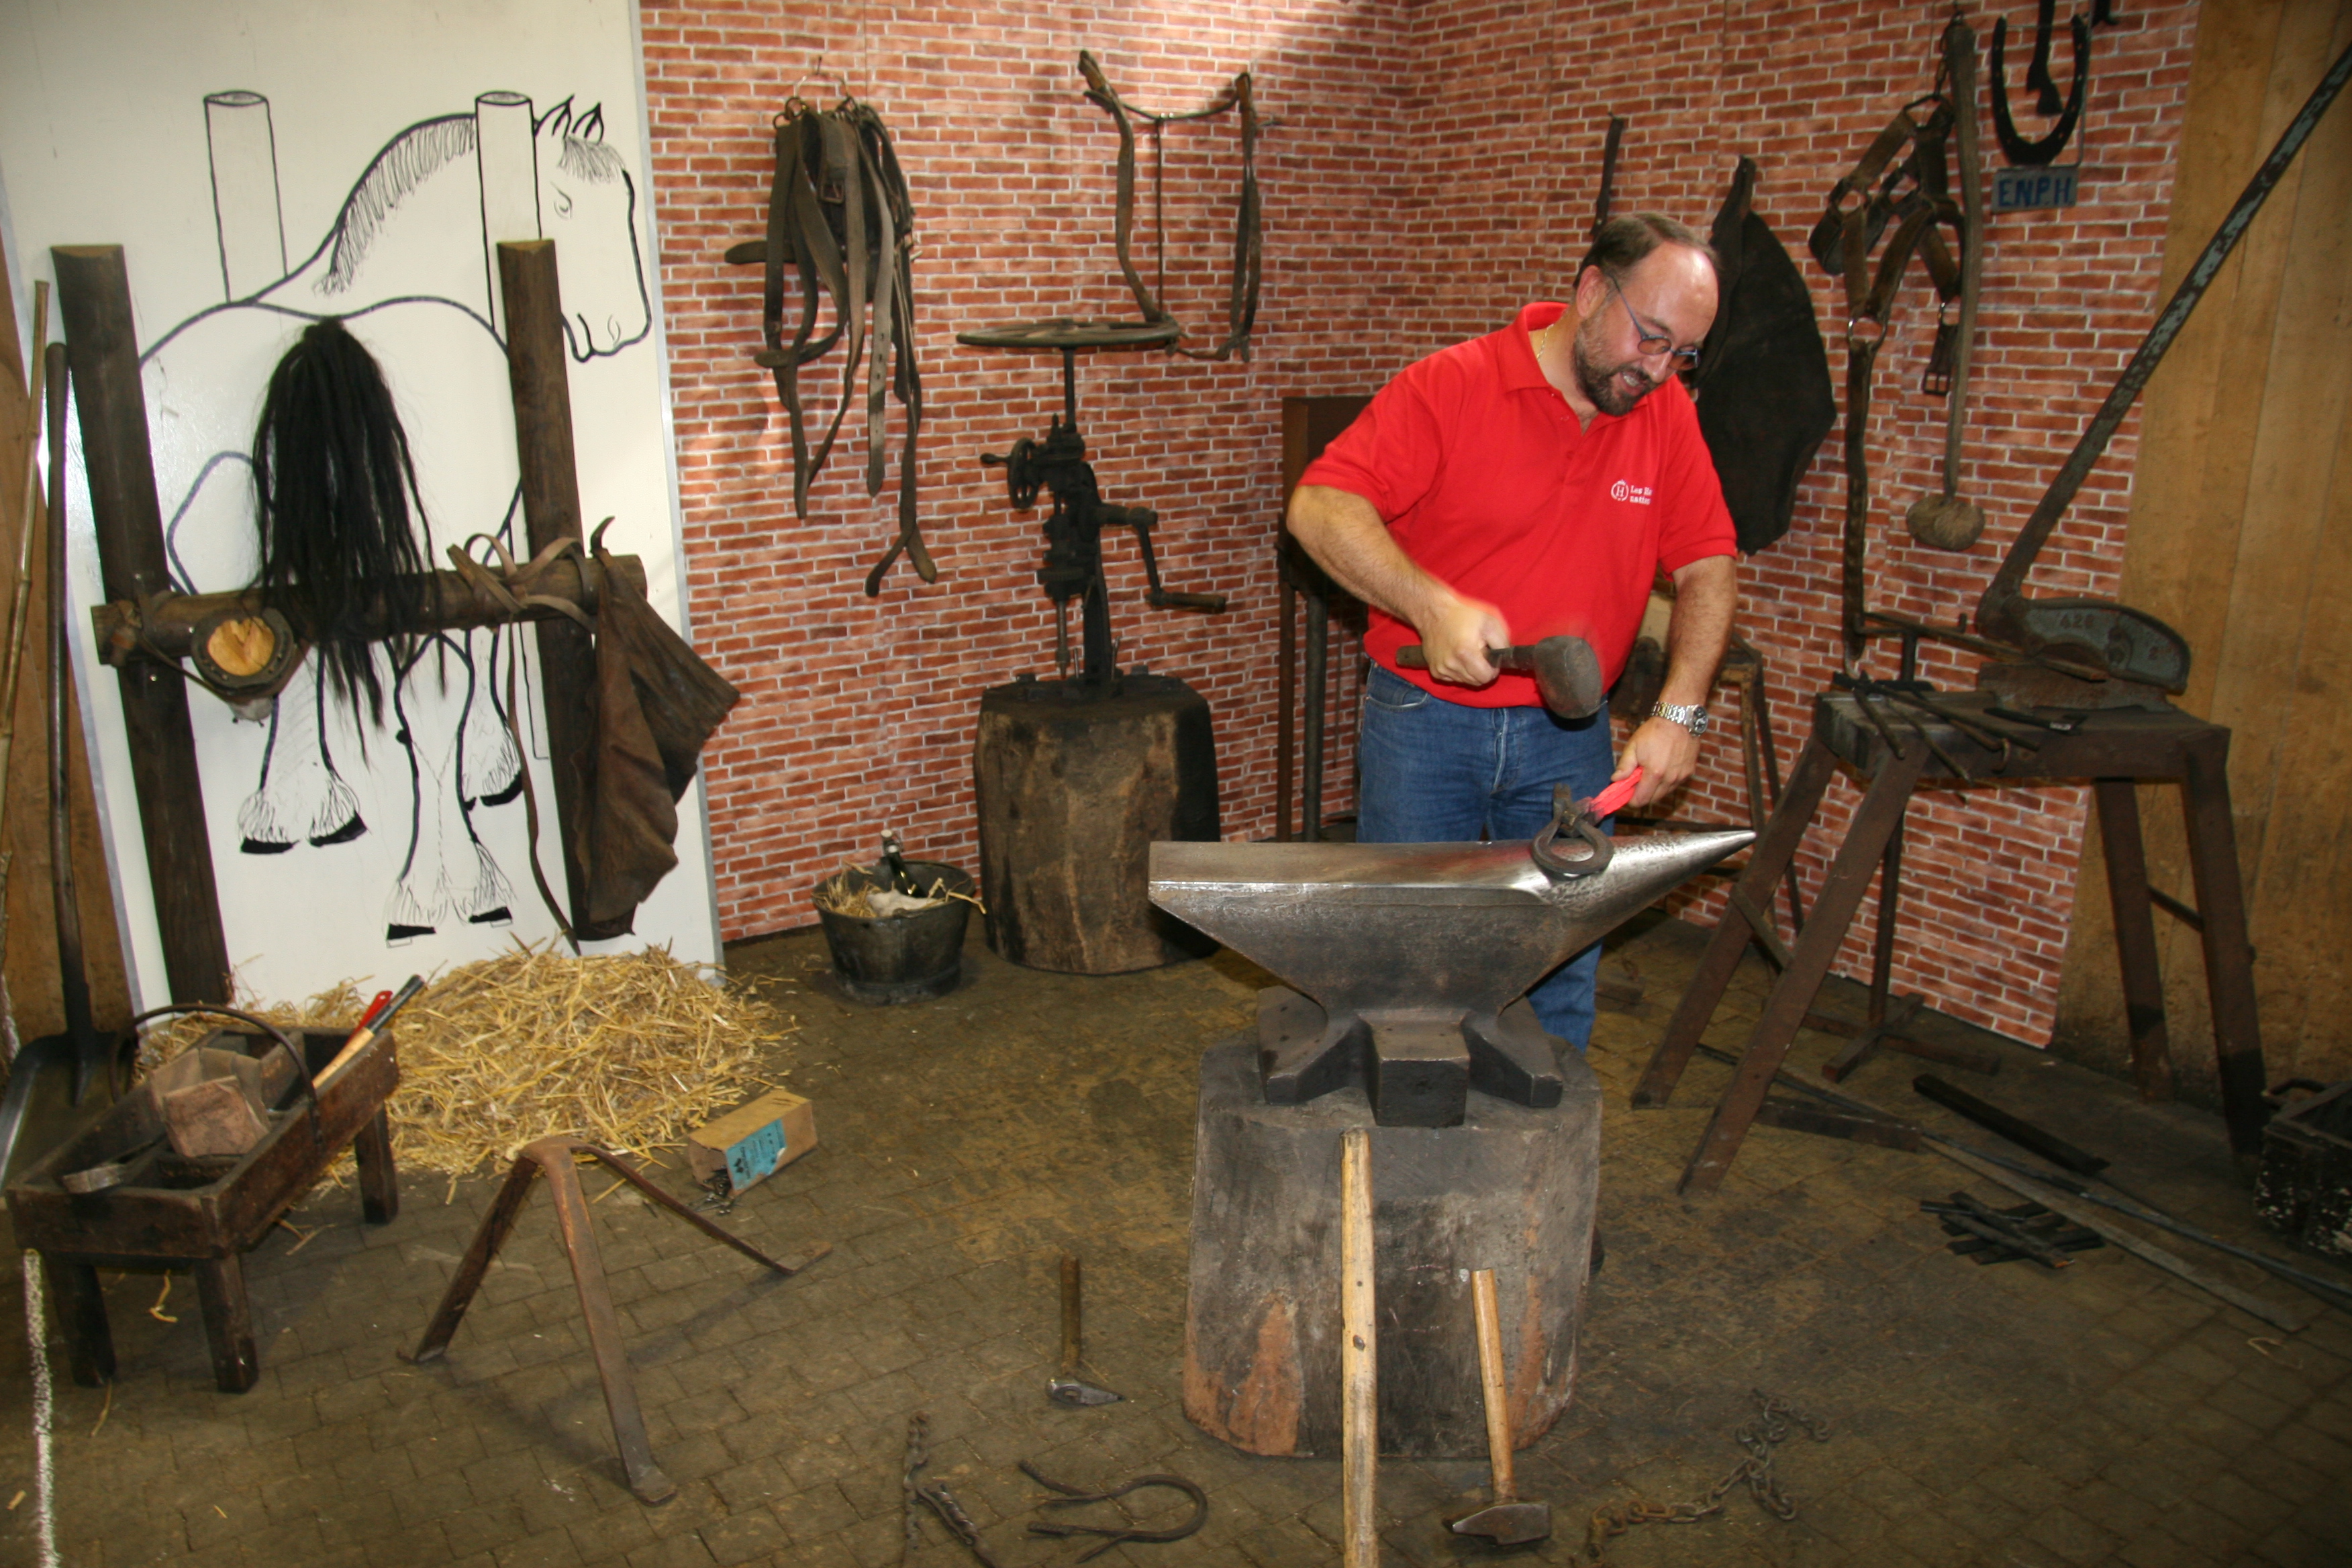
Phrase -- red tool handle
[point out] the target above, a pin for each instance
(375, 1011)
(1615, 795)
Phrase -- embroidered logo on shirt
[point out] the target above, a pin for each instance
(1637, 495)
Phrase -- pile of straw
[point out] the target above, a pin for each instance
(629, 1051)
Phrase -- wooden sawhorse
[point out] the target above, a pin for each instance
(2115, 748)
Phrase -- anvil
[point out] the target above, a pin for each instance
(1406, 959)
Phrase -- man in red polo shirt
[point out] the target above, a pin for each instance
(1518, 486)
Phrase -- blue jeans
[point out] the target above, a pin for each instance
(1434, 772)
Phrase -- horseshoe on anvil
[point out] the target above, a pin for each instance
(2021, 153)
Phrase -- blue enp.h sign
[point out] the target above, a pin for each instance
(2030, 189)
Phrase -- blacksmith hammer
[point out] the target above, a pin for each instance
(1567, 671)
(1507, 1520)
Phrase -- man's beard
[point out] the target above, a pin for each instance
(1605, 385)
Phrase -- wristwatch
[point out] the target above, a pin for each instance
(1691, 717)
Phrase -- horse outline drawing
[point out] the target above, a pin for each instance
(409, 263)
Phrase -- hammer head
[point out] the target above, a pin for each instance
(1505, 1523)
(1567, 676)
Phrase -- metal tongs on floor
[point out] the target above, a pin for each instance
(1581, 819)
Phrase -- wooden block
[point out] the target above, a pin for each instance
(215, 1116)
(1511, 1189)
(1071, 793)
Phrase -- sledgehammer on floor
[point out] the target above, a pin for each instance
(1567, 671)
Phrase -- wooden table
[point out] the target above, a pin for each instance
(204, 1215)
(2114, 749)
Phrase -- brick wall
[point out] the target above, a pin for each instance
(1435, 166)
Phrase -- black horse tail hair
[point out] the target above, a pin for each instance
(335, 485)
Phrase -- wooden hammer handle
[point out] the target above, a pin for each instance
(1412, 656)
(1490, 1382)
(1359, 1355)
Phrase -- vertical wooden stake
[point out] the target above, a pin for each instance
(536, 371)
(103, 350)
(1071, 1346)
(1358, 1353)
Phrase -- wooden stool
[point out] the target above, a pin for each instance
(1744, 669)
(193, 1215)
(2115, 748)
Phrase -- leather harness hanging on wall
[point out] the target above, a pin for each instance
(839, 216)
(1913, 194)
(1241, 298)
(1159, 328)
(1609, 146)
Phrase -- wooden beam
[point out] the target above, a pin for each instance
(167, 625)
(536, 371)
(102, 350)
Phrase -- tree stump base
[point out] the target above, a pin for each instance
(1511, 1189)
(1072, 787)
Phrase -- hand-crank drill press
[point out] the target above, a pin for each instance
(1076, 776)
(1072, 568)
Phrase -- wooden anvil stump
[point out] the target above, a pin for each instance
(1074, 781)
(1511, 1188)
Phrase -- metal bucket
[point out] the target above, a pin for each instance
(886, 959)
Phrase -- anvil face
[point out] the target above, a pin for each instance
(1398, 944)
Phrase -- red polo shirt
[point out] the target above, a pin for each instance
(1487, 481)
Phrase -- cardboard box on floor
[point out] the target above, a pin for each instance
(752, 1141)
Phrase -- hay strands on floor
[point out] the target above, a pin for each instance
(630, 1051)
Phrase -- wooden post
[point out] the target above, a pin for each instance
(103, 350)
(551, 508)
(1359, 1355)
(2229, 960)
(2119, 838)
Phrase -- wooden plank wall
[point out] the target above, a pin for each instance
(2242, 537)
(32, 944)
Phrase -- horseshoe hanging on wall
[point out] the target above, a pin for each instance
(2021, 153)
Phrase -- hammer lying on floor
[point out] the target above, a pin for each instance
(1507, 1520)
(1567, 671)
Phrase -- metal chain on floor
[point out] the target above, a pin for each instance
(919, 1454)
(1761, 1436)
(919, 1494)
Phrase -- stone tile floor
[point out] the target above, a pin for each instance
(1999, 1416)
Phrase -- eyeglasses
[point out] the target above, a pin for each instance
(1649, 343)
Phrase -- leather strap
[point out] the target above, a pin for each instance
(1601, 202)
(839, 216)
(1248, 270)
(1098, 90)
(1927, 206)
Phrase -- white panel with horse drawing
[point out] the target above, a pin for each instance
(404, 144)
